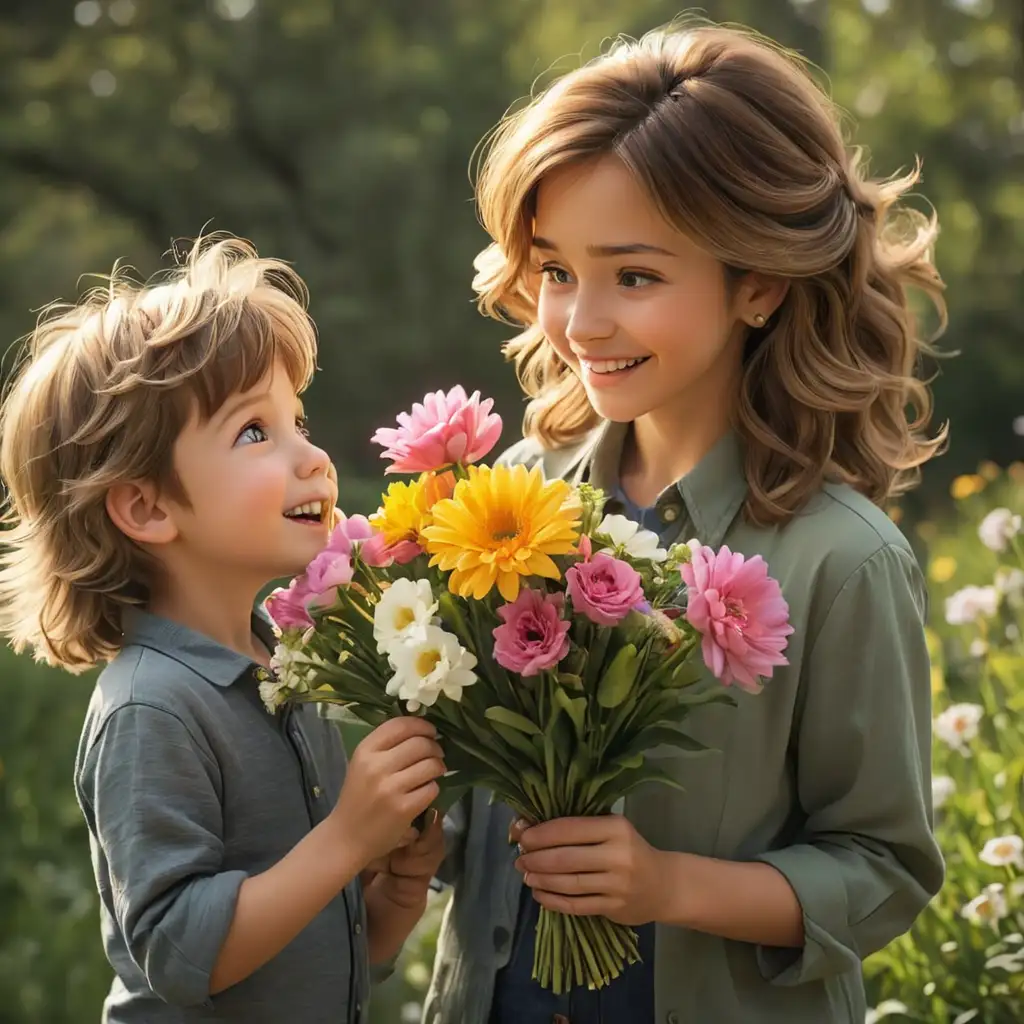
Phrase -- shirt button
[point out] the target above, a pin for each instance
(316, 792)
(668, 513)
(359, 1009)
(671, 1017)
(358, 929)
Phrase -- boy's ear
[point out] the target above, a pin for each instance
(135, 509)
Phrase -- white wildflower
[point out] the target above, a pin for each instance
(943, 787)
(428, 664)
(970, 604)
(978, 648)
(988, 908)
(1004, 852)
(1012, 963)
(273, 693)
(966, 1016)
(627, 537)
(1009, 582)
(958, 724)
(406, 608)
(886, 1008)
(998, 527)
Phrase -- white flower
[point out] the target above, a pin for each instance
(1003, 852)
(978, 648)
(970, 604)
(428, 664)
(1010, 962)
(1010, 582)
(998, 527)
(407, 607)
(988, 908)
(886, 1008)
(958, 724)
(627, 536)
(272, 693)
(943, 787)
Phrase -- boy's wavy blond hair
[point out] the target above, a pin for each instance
(741, 151)
(100, 397)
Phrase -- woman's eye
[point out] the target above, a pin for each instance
(636, 279)
(302, 425)
(556, 275)
(252, 434)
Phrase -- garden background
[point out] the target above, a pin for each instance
(337, 134)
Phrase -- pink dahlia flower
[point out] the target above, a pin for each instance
(740, 612)
(442, 430)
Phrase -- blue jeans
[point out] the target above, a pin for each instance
(518, 999)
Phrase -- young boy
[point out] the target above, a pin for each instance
(159, 476)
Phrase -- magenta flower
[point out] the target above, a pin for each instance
(333, 568)
(533, 636)
(286, 606)
(349, 531)
(442, 430)
(377, 552)
(740, 612)
(604, 589)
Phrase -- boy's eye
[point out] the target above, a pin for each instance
(251, 434)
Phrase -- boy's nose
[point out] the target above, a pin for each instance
(314, 460)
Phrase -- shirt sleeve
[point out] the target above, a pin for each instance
(153, 794)
(866, 863)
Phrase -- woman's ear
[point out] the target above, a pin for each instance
(136, 510)
(759, 296)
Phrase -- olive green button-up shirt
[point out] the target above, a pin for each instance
(825, 775)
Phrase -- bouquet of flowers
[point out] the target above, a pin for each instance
(551, 645)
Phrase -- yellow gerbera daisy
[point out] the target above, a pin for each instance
(406, 507)
(502, 523)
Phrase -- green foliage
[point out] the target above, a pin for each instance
(966, 952)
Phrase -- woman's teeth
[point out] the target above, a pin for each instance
(612, 365)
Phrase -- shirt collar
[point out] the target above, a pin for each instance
(711, 494)
(215, 663)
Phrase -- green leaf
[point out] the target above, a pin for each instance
(617, 682)
(571, 680)
(515, 739)
(575, 708)
(512, 719)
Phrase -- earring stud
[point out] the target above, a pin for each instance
(759, 320)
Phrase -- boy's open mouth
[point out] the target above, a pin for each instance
(311, 512)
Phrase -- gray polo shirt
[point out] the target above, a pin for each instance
(188, 787)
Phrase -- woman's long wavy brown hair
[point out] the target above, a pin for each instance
(744, 153)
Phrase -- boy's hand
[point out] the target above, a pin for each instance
(410, 868)
(390, 780)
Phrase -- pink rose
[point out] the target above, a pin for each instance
(604, 589)
(741, 613)
(533, 637)
(286, 606)
(442, 430)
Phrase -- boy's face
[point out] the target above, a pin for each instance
(260, 494)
